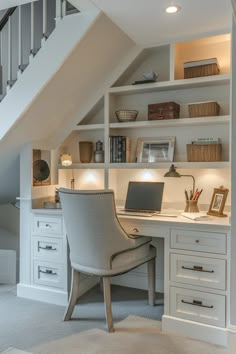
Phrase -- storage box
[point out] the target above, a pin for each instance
(200, 68)
(203, 109)
(203, 153)
(165, 110)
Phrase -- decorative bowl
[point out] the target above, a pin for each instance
(150, 75)
(126, 115)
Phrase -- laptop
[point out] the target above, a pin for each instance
(143, 199)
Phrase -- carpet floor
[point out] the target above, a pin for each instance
(26, 323)
(134, 335)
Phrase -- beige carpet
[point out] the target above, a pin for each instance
(134, 335)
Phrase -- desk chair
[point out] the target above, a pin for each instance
(100, 246)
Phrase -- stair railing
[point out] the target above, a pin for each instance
(23, 31)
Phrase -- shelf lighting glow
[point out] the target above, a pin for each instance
(172, 9)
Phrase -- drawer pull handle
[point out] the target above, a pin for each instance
(197, 303)
(48, 248)
(197, 241)
(47, 225)
(47, 271)
(198, 269)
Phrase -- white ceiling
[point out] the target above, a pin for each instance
(146, 23)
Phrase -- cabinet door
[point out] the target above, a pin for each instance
(200, 271)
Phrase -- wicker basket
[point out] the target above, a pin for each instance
(201, 68)
(126, 115)
(203, 153)
(203, 109)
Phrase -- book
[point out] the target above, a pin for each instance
(196, 216)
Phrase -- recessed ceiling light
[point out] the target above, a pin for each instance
(172, 9)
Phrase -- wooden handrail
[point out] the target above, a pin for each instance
(5, 18)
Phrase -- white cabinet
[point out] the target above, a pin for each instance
(49, 251)
(198, 275)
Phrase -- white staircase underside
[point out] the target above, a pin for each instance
(59, 87)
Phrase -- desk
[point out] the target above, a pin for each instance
(196, 269)
(196, 273)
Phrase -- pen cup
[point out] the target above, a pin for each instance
(191, 206)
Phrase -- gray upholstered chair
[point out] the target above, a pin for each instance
(100, 246)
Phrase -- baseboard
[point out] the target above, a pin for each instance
(231, 339)
(199, 331)
(52, 296)
(137, 280)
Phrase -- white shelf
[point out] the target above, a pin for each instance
(172, 122)
(166, 165)
(87, 127)
(85, 166)
(214, 80)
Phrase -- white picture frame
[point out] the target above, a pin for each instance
(152, 150)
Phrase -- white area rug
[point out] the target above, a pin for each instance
(134, 335)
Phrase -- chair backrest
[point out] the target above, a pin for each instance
(93, 230)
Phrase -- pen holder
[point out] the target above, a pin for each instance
(191, 206)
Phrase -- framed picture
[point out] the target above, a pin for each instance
(155, 149)
(218, 201)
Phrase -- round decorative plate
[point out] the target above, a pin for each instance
(40, 170)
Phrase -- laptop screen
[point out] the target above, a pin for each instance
(146, 196)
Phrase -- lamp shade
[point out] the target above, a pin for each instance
(66, 160)
(172, 172)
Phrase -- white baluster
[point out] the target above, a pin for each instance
(44, 20)
(63, 5)
(58, 10)
(20, 51)
(9, 51)
(32, 41)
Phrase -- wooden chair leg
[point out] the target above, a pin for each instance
(151, 281)
(73, 294)
(107, 301)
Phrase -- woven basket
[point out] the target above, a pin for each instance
(126, 115)
(203, 153)
(203, 109)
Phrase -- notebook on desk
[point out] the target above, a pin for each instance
(143, 199)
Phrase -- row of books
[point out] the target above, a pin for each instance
(120, 147)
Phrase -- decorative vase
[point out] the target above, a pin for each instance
(85, 151)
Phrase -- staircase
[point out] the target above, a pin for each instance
(60, 73)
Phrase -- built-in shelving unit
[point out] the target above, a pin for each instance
(167, 60)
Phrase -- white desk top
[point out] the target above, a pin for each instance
(160, 220)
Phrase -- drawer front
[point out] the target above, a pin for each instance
(47, 225)
(48, 248)
(198, 306)
(200, 271)
(143, 228)
(49, 274)
(212, 242)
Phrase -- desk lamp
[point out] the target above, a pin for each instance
(173, 173)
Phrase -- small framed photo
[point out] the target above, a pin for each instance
(155, 149)
(218, 201)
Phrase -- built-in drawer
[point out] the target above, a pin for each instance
(48, 248)
(213, 242)
(200, 271)
(197, 306)
(142, 228)
(47, 225)
(49, 274)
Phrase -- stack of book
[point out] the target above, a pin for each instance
(119, 148)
